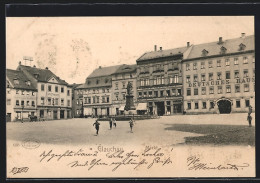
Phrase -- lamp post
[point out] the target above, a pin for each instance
(22, 112)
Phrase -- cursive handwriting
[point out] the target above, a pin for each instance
(194, 163)
(50, 155)
(16, 170)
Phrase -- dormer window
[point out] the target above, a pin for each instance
(28, 83)
(89, 82)
(223, 50)
(97, 81)
(16, 81)
(36, 76)
(242, 47)
(204, 53)
(106, 81)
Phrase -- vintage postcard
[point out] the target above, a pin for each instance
(166, 96)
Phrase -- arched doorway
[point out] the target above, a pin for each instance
(224, 106)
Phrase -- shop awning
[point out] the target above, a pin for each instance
(142, 107)
(122, 108)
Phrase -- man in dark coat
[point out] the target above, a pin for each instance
(110, 123)
(96, 126)
(249, 119)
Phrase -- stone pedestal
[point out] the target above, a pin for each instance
(129, 103)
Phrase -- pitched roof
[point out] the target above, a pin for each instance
(104, 71)
(21, 77)
(126, 69)
(44, 74)
(231, 46)
(162, 53)
(74, 85)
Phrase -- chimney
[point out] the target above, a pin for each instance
(155, 47)
(243, 35)
(188, 44)
(160, 48)
(220, 40)
(46, 68)
(34, 66)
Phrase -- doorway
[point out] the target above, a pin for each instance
(55, 115)
(108, 111)
(61, 114)
(8, 117)
(224, 106)
(160, 108)
(177, 108)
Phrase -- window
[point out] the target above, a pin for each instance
(187, 67)
(196, 105)
(227, 75)
(123, 85)
(236, 74)
(140, 94)
(22, 92)
(246, 87)
(107, 99)
(16, 81)
(211, 90)
(210, 64)
(32, 93)
(188, 92)
(173, 92)
(203, 77)
(179, 92)
(253, 59)
(204, 105)
(17, 102)
(22, 103)
(28, 83)
(117, 85)
(97, 99)
(218, 63)
(33, 103)
(196, 91)
(195, 78)
(211, 104)
(89, 100)
(97, 82)
(194, 66)
(210, 76)
(27, 103)
(237, 88)
(17, 91)
(238, 104)
(56, 101)
(49, 101)
(245, 60)
(94, 100)
(219, 76)
(62, 89)
(28, 93)
(228, 89)
(68, 103)
(168, 93)
(245, 73)
(203, 91)
(156, 93)
(145, 93)
(161, 93)
(150, 93)
(202, 65)
(62, 101)
(188, 105)
(227, 62)
(176, 79)
(117, 96)
(56, 88)
(219, 89)
(49, 88)
(8, 102)
(42, 100)
(236, 61)
(247, 103)
(187, 79)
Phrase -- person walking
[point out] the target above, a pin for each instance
(114, 122)
(110, 123)
(250, 109)
(96, 126)
(249, 119)
(131, 123)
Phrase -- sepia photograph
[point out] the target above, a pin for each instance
(130, 96)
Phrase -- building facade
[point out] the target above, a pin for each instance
(75, 102)
(219, 77)
(159, 80)
(54, 96)
(96, 92)
(20, 96)
(124, 75)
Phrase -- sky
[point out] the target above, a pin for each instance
(72, 47)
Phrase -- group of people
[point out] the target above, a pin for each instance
(112, 122)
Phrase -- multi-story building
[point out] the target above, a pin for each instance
(20, 96)
(96, 92)
(120, 80)
(219, 77)
(54, 95)
(159, 80)
(75, 102)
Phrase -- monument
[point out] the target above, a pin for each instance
(129, 98)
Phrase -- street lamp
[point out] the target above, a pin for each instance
(22, 112)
